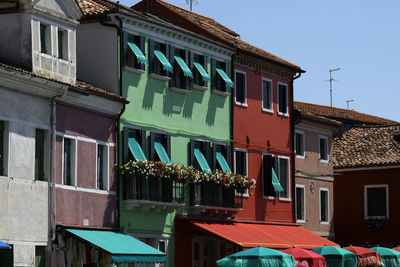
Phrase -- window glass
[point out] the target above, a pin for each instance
(62, 44)
(39, 155)
(45, 39)
(299, 144)
(300, 205)
(283, 177)
(100, 168)
(240, 162)
(283, 101)
(323, 149)
(68, 164)
(2, 148)
(197, 78)
(267, 94)
(240, 87)
(131, 57)
(376, 201)
(324, 205)
(40, 256)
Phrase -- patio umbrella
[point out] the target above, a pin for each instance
(366, 257)
(337, 257)
(306, 258)
(258, 257)
(390, 257)
(397, 248)
(4, 245)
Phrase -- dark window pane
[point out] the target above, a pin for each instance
(40, 256)
(282, 89)
(39, 155)
(241, 162)
(299, 144)
(267, 101)
(240, 87)
(376, 201)
(268, 163)
(299, 203)
(43, 29)
(100, 167)
(67, 161)
(324, 206)
(60, 44)
(323, 149)
(283, 177)
(1, 147)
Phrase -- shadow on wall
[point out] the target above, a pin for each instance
(261, 203)
(131, 81)
(110, 217)
(193, 97)
(173, 103)
(214, 103)
(152, 87)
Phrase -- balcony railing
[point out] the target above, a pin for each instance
(214, 195)
(138, 187)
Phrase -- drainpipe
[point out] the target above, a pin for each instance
(52, 216)
(292, 131)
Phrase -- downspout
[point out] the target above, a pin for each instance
(52, 191)
(292, 132)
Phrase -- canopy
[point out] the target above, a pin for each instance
(225, 77)
(201, 160)
(186, 71)
(390, 257)
(306, 258)
(202, 72)
(258, 257)
(337, 257)
(222, 162)
(122, 247)
(250, 234)
(135, 148)
(4, 245)
(163, 60)
(275, 182)
(365, 257)
(138, 53)
(162, 154)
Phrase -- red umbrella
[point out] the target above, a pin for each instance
(365, 257)
(397, 248)
(306, 258)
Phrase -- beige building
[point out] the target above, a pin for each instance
(314, 173)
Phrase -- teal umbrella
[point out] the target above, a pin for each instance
(258, 257)
(337, 257)
(390, 257)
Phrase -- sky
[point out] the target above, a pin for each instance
(362, 38)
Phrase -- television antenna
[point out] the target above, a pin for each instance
(330, 82)
(348, 101)
(191, 3)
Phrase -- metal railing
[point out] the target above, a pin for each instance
(212, 194)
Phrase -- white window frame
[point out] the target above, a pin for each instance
(271, 94)
(156, 240)
(386, 186)
(288, 177)
(304, 202)
(327, 206)
(244, 91)
(327, 148)
(246, 191)
(74, 143)
(65, 44)
(286, 114)
(49, 37)
(304, 145)
(106, 164)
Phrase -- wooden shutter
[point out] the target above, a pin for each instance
(207, 153)
(168, 145)
(191, 152)
(189, 62)
(142, 140)
(170, 56)
(151, 56)
(151, 146)
(142, 46)
(213, 74)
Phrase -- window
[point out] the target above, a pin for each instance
(69, 161)
(40, 256)
(376, 201)
(2, 150)
(323, 148)
(45, 39)
(240, 88)
(158, 58)
(134, 144)
(284, 176)
(276, 176)
(200, 75)
(220, 79)
(324, 205)
(102, 167)
(160, 147)
(39, 154)
(181, 76)
(282, 99)
(221, 157)
(300, 204)
(135, 57)
(7, 257)
(200, 155)
(267, 95)
(299, 144)
(62, 44)
(241, 165)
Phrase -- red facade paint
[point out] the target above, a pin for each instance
(259, 132)
(349, 215)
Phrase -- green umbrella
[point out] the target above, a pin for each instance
(337, 257)
(258, 257)
(390, 257)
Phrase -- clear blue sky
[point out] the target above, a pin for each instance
(360, 37)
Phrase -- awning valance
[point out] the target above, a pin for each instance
(202, 72)
(135, 148)
(225, 77)
(122, 247)
(249, 234)
(186, 71)
(164, 61)
(138, 53)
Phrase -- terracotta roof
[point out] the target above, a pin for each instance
(95, 7)
(310, 116)
(225, 34)
(340, 114)
(367, 146)
(80, 86)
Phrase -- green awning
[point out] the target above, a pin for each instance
(162, 154)
(201, 160)
(135, 148)
(222, 162)
(225, 77)
(275, 182)
(122, 247)
(164, 61)
(202, 72)
(139, 55)
(186, 71)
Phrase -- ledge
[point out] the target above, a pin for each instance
(180, 90)
(221, 93)
(146, 205)
(200, 87)
(160, 77)
(134, 70)
(214, 211)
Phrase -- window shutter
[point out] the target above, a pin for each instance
(213, 74)
(227, 73)
(142, 46)
(151, 56)
(71, 47)
(168, 145)
(1, 147)
(189, 62)
(143, 140)
(214, 156)
(191, 152)
(228, 155)
(205, 65)
(151, 148)
(207, 152)
(125, 51)
(170, 56)
(125, 148)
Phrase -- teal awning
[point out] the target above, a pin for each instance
(201, 160)
(225, 77)
(164, 61)
(222, 162)
(202, 72)
(135, 148)
(122, 247)
(139, 55)
(186, 71)
(275, 182)
(162, 154)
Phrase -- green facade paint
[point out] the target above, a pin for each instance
(153, 106)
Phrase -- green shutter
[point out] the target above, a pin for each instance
(139, 55)
(186, 71)
(202, 72)
(39, 155)
(1, 147)
(225, 77)
(135, 148)
(163, 60)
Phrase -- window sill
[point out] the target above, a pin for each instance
(324, 161)
(285, 199)
(221, 93)
(283, 114)
(147, 205)
(214, 211)
(180, 90)
(133, 70)
(300, 221)
(268, 110)
(300, 156)
(324, 223)
(200, 87)
(241, 104)
(160, 77)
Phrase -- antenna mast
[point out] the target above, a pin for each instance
(190, 2)
(331, 80)
(348, 101)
